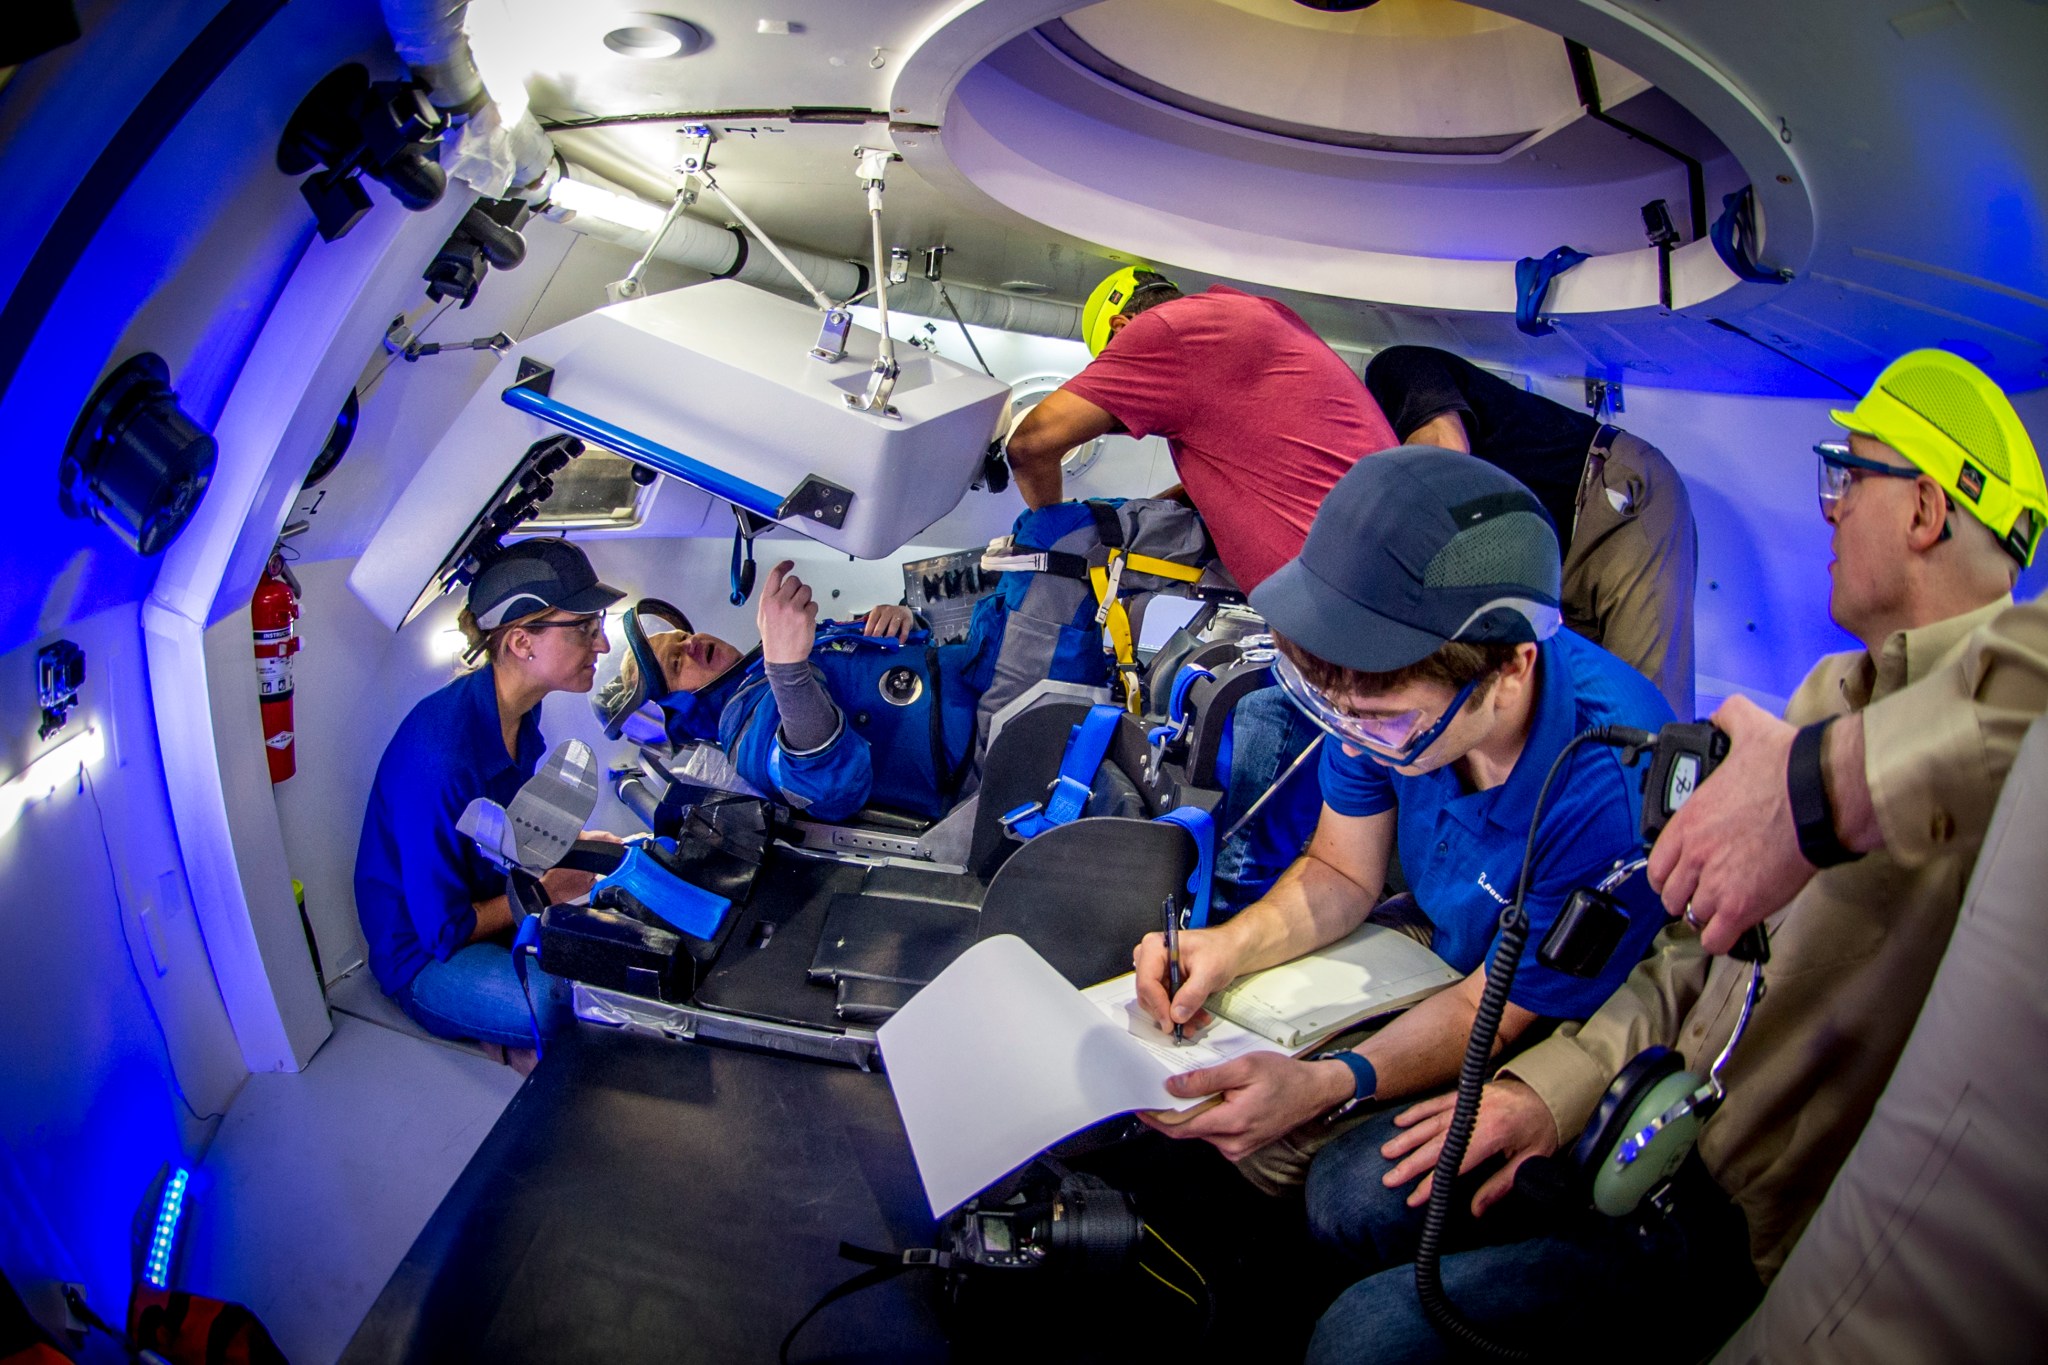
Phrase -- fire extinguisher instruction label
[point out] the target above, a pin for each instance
(274, 677)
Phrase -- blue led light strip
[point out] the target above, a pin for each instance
(156, 1266)
(633, 446)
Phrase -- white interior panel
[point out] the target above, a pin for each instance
(722, 373)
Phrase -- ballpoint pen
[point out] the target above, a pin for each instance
(1173, 977)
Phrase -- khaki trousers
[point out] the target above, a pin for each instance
(1628, 580)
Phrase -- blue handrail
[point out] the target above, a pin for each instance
(674, 463)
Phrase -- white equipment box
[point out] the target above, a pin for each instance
(715, 385)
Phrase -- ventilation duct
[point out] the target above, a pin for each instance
(727, 253)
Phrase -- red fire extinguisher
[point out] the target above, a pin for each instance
(271, 613)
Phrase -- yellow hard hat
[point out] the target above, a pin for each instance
(1109, 300)
(1957, 426)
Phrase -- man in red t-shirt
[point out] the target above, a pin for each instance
(1260, 415)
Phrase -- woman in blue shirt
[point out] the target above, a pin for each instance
(433, 909)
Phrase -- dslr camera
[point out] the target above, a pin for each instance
(1071, 1222)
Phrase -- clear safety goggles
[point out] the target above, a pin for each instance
(1395, 740)
(590, 629)
(1838, 469)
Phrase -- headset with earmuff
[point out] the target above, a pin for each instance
(1649, 1120)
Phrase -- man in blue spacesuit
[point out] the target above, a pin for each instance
(803, 717)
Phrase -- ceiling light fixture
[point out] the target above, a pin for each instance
(654, 37)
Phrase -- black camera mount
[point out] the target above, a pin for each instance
(351, 126)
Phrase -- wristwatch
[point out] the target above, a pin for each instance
(1365, 1081)
(1813, 814)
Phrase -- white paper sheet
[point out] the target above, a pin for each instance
(1217, 1041)
(1000, 1057)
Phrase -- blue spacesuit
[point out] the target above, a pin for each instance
(906, 728)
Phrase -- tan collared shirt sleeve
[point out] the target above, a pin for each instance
(1571, 1069)
(1936, 753)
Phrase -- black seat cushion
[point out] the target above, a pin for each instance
(888, 938)
(1083, 894)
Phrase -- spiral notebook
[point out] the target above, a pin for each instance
(1373, 970)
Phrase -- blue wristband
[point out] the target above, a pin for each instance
(1365, 1081)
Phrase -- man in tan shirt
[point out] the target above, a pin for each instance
(1923, 583)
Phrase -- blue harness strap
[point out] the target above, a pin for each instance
(1202, 827)
(1735, 240)
(1532, 285)
(1086, 745)
(525, 940)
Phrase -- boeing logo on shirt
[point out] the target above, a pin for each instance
(1487, 887)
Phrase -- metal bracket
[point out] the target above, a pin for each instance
(696, 158)
(817, 499)
(874, 164)
(1603, 397)
(881, 385)
(832, 335)
(533, 376)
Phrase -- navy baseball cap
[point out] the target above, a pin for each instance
(537, 575)
(1413, 548)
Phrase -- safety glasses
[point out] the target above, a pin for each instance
(1395, 740)
(590, 628)
(1839, 467)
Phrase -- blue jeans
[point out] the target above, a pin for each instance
(1267, 732)
(1563, 1280)
(475, 994)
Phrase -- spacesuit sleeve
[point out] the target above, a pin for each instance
(829, 782)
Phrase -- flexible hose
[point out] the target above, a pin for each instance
(1500, 979)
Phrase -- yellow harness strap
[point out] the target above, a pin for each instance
(1159, 568)
(1111, 608)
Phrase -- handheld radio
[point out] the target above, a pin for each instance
(1681, 757)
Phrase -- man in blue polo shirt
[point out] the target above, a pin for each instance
(1418, 627)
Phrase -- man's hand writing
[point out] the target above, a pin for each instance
(1208, 963)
